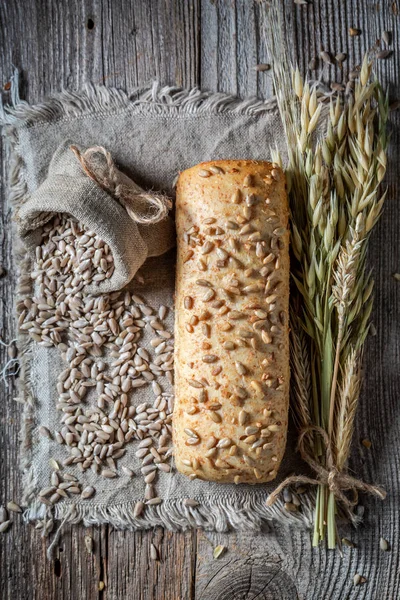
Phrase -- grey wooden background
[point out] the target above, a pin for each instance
(214, 44)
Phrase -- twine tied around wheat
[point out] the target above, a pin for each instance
(145, 208)
(337, 481)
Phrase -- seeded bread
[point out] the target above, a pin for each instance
(231, 328)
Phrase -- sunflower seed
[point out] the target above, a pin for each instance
(13, 507)
(252, 430)
(127, 471)
(150, 477)
(203, 283)
(87, 492)
(326, 57)
(48, 528)
(164, 467)
(45, 432)
(192, 441)
(384, 54)
(224, 443)
(190, 502)
(153, 552)
(3, 514)
(89, 544)
(47, 491)
(313, 64)
(387, 37)
(273, 427)
(108, 473)
(209, 358)
(383, 544)
(216, 170)
(4, 526)
(241, 392)
(154, 501)
(216, 417)
(196, 384)
(229, 346)
(206, 247)
(341, 57)
(240, 368)
(218, 551)
(208, 296)
(137, 511)
(236, 197)
(211, 442)
(243, 415)
(348, 543)
(262, 67)
(44, 501)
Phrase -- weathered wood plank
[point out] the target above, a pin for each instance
(316, 573)
(249, 568)
(63, 45)
(138, 576)
(147, 41)
(215, 43)
(228, 48)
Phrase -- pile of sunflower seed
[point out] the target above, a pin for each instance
(100, 341)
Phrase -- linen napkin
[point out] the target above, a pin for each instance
(152, 135)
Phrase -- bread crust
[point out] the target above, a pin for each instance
(231, 325)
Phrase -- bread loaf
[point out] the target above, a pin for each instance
(231, 328)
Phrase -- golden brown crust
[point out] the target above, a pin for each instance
(232, 347)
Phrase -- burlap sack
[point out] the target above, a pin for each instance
(88, 186)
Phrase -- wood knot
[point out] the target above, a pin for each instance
(248, 579)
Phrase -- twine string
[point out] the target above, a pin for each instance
(6, 372)
(143, 207)
(327, 474)
(50, 550)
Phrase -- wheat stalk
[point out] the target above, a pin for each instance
(347, 405)
(336, 162)
(301, 380)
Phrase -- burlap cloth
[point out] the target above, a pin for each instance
(152, 135)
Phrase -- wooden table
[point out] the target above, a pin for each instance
(214, 44)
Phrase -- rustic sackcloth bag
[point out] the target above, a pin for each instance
(133, 224)
(151, 135)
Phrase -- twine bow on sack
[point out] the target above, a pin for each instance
(337, 481)
(142, 207)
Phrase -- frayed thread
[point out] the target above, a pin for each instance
(99, 99)
(17, 195)
(246, 512)
(8, 370)
(56, 538)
